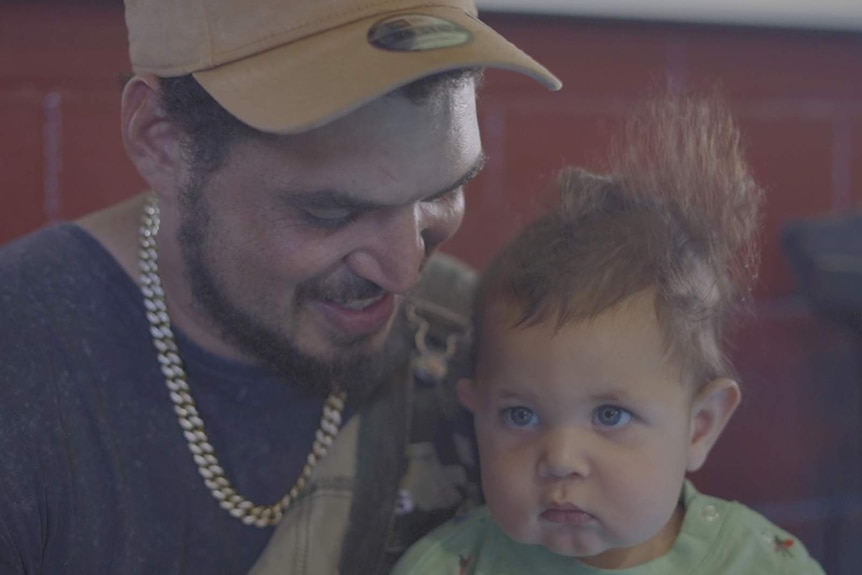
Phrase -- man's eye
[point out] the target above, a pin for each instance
(445, 197)
(611, 416)
(520, 416)
(327, 217)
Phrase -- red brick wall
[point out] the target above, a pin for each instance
(60, 149)
(794, 448)
(797, 94)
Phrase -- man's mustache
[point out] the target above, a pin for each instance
(340, 289)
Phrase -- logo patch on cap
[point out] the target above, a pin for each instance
(417, 32)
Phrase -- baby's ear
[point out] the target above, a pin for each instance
(467, 393)
(710, 412)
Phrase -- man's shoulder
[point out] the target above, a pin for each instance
(61, 297)
(34, 277)
(53, 264)
(41, 241)
(46, 257)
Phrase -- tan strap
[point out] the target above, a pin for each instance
(308, 539)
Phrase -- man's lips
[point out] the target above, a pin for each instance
(359, 304)
(358, 317)
(566, 514)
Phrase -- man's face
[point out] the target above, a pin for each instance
(303, 248)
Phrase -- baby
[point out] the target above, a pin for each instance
(600, 379)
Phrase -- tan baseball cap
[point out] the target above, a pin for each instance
(286, 66)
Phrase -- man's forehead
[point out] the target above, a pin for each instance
(425, 148)
(455, 104)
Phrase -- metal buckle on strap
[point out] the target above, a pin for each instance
(437, 333)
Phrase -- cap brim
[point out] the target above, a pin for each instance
(313, 81)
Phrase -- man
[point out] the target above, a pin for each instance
(166, 361)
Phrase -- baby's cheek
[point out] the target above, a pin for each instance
(513, 514)
(511, 499)
(507, 463)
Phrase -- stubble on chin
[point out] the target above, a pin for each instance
(351, 365)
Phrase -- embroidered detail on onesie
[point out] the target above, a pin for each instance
(710, 513)
(783, 546)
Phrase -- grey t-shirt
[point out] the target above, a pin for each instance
(95, 473)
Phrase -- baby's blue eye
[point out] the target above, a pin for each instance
(611, 416)
(519, 416)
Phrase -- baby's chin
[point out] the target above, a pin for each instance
(603, 555)
(571, 550)
(566, 545)
(591, 544)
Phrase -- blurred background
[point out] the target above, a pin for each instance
(792, 72)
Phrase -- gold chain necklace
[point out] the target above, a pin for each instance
(184, 405)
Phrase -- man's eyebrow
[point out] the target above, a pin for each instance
(478, 165)
(336, 199)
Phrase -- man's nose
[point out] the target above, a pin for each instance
(564, 454)
(398, 242)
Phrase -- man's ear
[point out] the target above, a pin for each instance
(467, 393)
(152, 141)
(710, 412)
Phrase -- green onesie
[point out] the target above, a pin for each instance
(717, 538)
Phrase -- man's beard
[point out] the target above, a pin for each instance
(352, 368)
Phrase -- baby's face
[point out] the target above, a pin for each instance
(584, 434)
